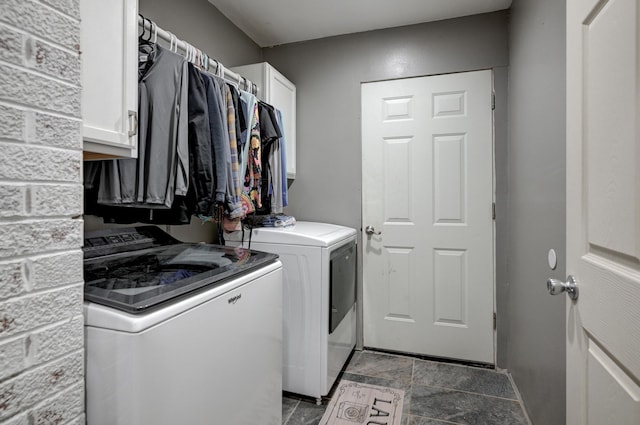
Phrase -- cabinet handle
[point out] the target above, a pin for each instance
(133, 128)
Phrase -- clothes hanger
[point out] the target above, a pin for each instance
(217, 65)
(172, 38)
(151, 26)
(143, 39)
(235, 83)
(144, 28)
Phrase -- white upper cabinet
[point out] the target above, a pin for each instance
(276, 90)
(108, 36)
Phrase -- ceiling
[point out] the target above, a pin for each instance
(274, 22)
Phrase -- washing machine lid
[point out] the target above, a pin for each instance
(302, 233)
(137, 269)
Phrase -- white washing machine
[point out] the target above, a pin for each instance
(319, 308)
(180, 333)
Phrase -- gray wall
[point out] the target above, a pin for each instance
(328, 73)
(534, 334)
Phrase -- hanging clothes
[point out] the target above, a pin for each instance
(162, 169)
(269, 135)
(234, 207)
(163, 113)
(218, 132)
(198, 199)
(248, 102)
(204, 148)
(253, 176)
(241, 121)
(201, 187)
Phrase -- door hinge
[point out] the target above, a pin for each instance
(493, 101)
(493, 210)
(495, 322)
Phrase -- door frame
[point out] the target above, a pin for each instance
(499, 108)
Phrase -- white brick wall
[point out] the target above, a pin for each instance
(41, 324)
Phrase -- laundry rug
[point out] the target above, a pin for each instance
(355, 403)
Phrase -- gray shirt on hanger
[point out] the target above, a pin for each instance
(162, 167)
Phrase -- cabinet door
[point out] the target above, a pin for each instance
(109, 76)
(282, 94)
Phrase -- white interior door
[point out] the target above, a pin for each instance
(603, 211)
(427, 160)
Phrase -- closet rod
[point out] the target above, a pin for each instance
(167, 36)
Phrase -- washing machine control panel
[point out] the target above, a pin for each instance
(112, 241)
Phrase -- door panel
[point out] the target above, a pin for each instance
(397, 175)
(603, 211)
(622, 403)
(450, 287)
(449, 166)
(428, 188)
(449, 104)
(611, 163)
(399, 284)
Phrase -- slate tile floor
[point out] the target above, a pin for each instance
(435, 393)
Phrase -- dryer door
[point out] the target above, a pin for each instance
(342, 285)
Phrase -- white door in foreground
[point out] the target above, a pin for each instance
(603, 212)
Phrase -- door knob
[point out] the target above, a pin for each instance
(556, 287)
(370, 230)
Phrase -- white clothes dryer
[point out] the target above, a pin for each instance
(319, 299)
